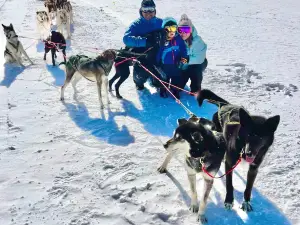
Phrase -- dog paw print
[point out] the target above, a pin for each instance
(277, 87)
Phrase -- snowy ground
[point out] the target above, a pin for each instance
(70, 164)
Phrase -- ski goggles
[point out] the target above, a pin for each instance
(148, 9)
(184, 29)
(172, 28)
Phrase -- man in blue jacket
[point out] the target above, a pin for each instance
(136, 37)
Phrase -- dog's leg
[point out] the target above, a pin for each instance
(208, 183)
(118, 84)
(75, 80)
(252, 172)
(163, 167)
(112, 80)
(105, 83)
(229, 187)
(69, 75)
(46, 51)
(53, 50)
(68, 28)
(99, 86)
(192, 181)
(18, 60)
(64, 53)
(24, 53)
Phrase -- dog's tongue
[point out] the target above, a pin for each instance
(249, 159)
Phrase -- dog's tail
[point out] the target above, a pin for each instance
(62, 63)
(211, 97)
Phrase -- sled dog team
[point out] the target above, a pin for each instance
(233, 134)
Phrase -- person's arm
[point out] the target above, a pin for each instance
(199, 48)
(131, 39)
(183, 51)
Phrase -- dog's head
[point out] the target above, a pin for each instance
(9, 31)
(190, 137)
(257, 133)
(42, 16)
(63, 15)
(109, 54)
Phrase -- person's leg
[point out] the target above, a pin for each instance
(196, 77)
(185, 76)
(204, 64)
(140, 76)
(176, 80)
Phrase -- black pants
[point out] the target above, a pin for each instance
(140, 75)
(195, 73)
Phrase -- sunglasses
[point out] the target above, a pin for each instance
(184, 29)
(172, 28)
(148, 9)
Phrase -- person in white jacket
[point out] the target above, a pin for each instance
(196, 51)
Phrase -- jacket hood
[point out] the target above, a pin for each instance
(168, 19)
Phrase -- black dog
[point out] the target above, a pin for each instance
(148, 59)
(254, 134)
(55, 42)
(204, 152)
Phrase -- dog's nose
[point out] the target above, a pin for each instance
(166, 145)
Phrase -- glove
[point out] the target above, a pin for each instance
(153, 39)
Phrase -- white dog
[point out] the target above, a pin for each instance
(63, 22)
(14, 48)
(43, 24)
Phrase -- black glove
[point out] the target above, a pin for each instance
(154, 38)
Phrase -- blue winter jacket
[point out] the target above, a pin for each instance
(134, 35)
(173, 50)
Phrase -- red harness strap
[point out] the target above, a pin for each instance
(228, 172)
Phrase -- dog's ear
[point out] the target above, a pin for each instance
(199, 98)
(181, 121)
(206, 123)
(3, 26)
(194, 119)
(245, 118)
(197, 137)
(272, 123)
(12, 27)
(109, 54)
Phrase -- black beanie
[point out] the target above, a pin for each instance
(148, 3)
(170, 23)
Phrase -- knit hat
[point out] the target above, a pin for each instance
(185, 21)
(148, 3)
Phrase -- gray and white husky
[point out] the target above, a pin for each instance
(93, 69)
(43, 23)
(14, 48)
(202, 148)
(63, 22)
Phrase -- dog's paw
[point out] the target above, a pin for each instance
(102, 107)
(202, 219)
(228, 206)
(162, 169)
(246, 206)
(62, 99)
(194, 208)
